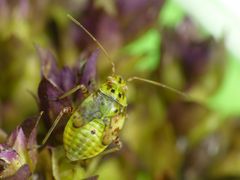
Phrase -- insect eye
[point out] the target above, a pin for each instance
(112, 90)
(120, 80)
(119, 95)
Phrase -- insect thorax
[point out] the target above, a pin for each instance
(98, 105)
(115, 88)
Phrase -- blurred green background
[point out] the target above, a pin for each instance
(191, 46)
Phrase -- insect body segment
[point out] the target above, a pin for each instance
(84, 142)
(97, 121)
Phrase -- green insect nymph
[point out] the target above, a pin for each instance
(98, 120)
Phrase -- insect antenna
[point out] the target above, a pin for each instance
(158, 84)
(94, 39)
(113, 65)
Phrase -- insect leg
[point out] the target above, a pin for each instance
(117, 147)
(76, 119)
(56, 121)
(109, 137)
(80, 87)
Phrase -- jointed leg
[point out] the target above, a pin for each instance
(77, 119)
(80, 87)
(107, 136)
(117, 147)
(56, 121)
(111, 135)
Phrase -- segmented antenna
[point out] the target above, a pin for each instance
(94, 39)
(158, 84)
(113, 66)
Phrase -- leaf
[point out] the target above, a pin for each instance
(50, 105)
(68, 78)
(88, 74)
(29, 127)
(133, 23)
(49, 68)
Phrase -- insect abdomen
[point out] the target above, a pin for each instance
(84, 142)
